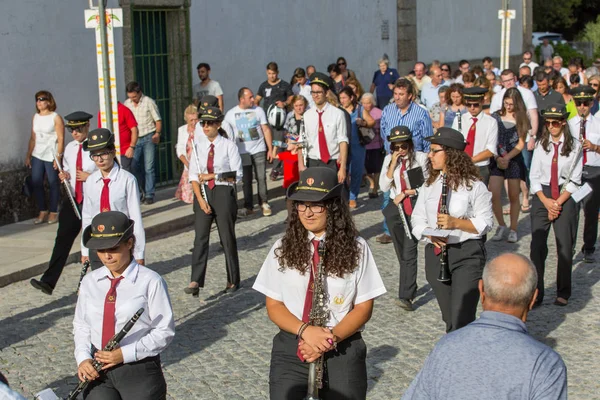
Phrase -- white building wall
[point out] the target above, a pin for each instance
(464, 29)
(44, 45)
(238, 38)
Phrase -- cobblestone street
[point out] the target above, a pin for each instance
(222, 345)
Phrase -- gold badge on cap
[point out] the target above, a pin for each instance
(205, 104)
(553, 109)
(209, 111)
(94, 137)
(101, 228)
(310, 181)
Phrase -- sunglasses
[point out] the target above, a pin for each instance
(75, 128)
(554, 124)
(435, 151)
(445, 69)
(580, 103)
(396, 147)
(42, 99)
(472, 105)
(341, 63)
(208, 123)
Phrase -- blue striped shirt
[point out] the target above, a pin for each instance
(416, 119)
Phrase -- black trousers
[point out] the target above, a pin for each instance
(140, 380)
(68, 229)
(223, 202)
(458, 298)
(346, 370)
(406, 251)
(318, 163)
(565, 231)
(591, 204)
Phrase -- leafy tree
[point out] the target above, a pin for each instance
(591, 33)
(554, 15)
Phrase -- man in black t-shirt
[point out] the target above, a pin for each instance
(274, 91)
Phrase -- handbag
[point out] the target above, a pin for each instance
(27, 188)
(366, 135)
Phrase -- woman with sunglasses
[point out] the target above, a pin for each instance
(469, 218)
(555, 153)
(46, 142)
(344, 70)
(394, 177)
(320, 219)
(77, 167)
(584, 97)
(110, 188)
(214, 171)
(508, 165)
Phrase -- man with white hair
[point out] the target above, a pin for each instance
(557, 64)
(494, 356)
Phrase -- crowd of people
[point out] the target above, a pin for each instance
(439, 148)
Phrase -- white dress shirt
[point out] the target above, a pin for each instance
(486, 134)
(289, 286)
(541, 167)
(70, 162)
(140, 288)
(124, 197)
(592, 133)
(334, 124)
(474, 204)
(226, 159)
(385, 183)
(146, 114)
(526, 94)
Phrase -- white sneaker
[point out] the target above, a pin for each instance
(500, 233)
(512, 237)
(266, 209)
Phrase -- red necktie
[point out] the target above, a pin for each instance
(325, 156)
(108, 319)
(471, 139)
(583, 121)
(406, 202)
(78, 183)
(105, 196)
(554, 173)
(210, 164)
(309, 290)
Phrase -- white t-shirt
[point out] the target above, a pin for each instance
(248, 128)
(528, 99)
(212, 88)
(46, 140)
(289, 286)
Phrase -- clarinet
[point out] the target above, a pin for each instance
(319, 314)
(68, 189)
(444, 275)
(304, 141)
(579, 153)
(112, 344)
(86, 266)
(459, 120)
(403, 218)
(202, 189)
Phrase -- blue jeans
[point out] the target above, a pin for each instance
(357, 168)
(40, 168)
(527, 156)
(386, 201)
(145, 149)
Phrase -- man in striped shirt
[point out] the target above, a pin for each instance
(404, 111)
(149, 123)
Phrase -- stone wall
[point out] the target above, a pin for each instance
(14, 206)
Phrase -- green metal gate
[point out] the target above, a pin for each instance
(161, 63)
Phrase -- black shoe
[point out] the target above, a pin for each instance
(149, 201)
(194, 291)
(41, 285)
(405, 304)
(588, 256)
(231, 288)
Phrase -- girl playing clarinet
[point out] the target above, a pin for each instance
(352, 282)
(108, 298)
(469, 217)
(555, 154)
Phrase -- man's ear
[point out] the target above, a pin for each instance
(481, 291)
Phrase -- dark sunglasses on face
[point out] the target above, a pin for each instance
(42, 99)
(474, 105)
(341, 63)
(74, 128)
(585, 103)
(554, 124)
(396, 147)
(208, 123)
(445, 69)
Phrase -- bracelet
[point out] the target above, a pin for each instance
(60, 154)
(301, 330)
(132, 147)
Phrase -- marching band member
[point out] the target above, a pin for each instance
(584, 99)
(108, 298)
(480, 131)
(469, 217)
(555, 153)
(403, 157)
(215, 155)
(287, 278)
(110, 188)
(77, 166)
